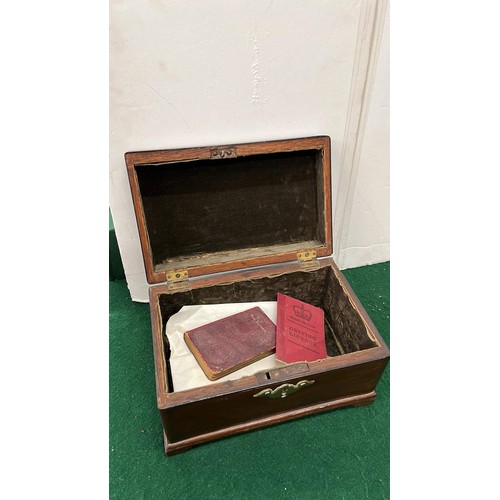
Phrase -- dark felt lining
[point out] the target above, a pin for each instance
(345, 331)
(209, 206)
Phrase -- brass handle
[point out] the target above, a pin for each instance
(284, 390)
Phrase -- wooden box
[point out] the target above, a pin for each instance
(241, 223)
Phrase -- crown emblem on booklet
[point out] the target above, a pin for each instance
(300, 312)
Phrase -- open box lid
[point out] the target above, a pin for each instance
(211, 209)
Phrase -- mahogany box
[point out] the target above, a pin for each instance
(242, 223)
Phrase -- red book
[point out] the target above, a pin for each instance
(300, 331)
(228, 344)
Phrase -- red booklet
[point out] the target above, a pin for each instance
(300, 331)
(228, 344)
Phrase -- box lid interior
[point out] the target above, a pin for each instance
(222, 208)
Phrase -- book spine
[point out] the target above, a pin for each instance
(280, 328)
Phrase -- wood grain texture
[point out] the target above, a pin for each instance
(187, 444)
(141, 222)
(210, 414)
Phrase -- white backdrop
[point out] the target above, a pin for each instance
(189, 73)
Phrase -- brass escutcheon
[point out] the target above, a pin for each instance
(284, 390)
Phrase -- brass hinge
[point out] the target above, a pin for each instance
(306, 255)
(178, 279)
(307, 259)
(219, 153)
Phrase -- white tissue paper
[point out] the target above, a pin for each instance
(186, 372)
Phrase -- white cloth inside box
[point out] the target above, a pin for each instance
(185, 370)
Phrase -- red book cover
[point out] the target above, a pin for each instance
(300, 331)
(228, 344)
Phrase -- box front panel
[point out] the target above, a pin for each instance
(208, 415)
